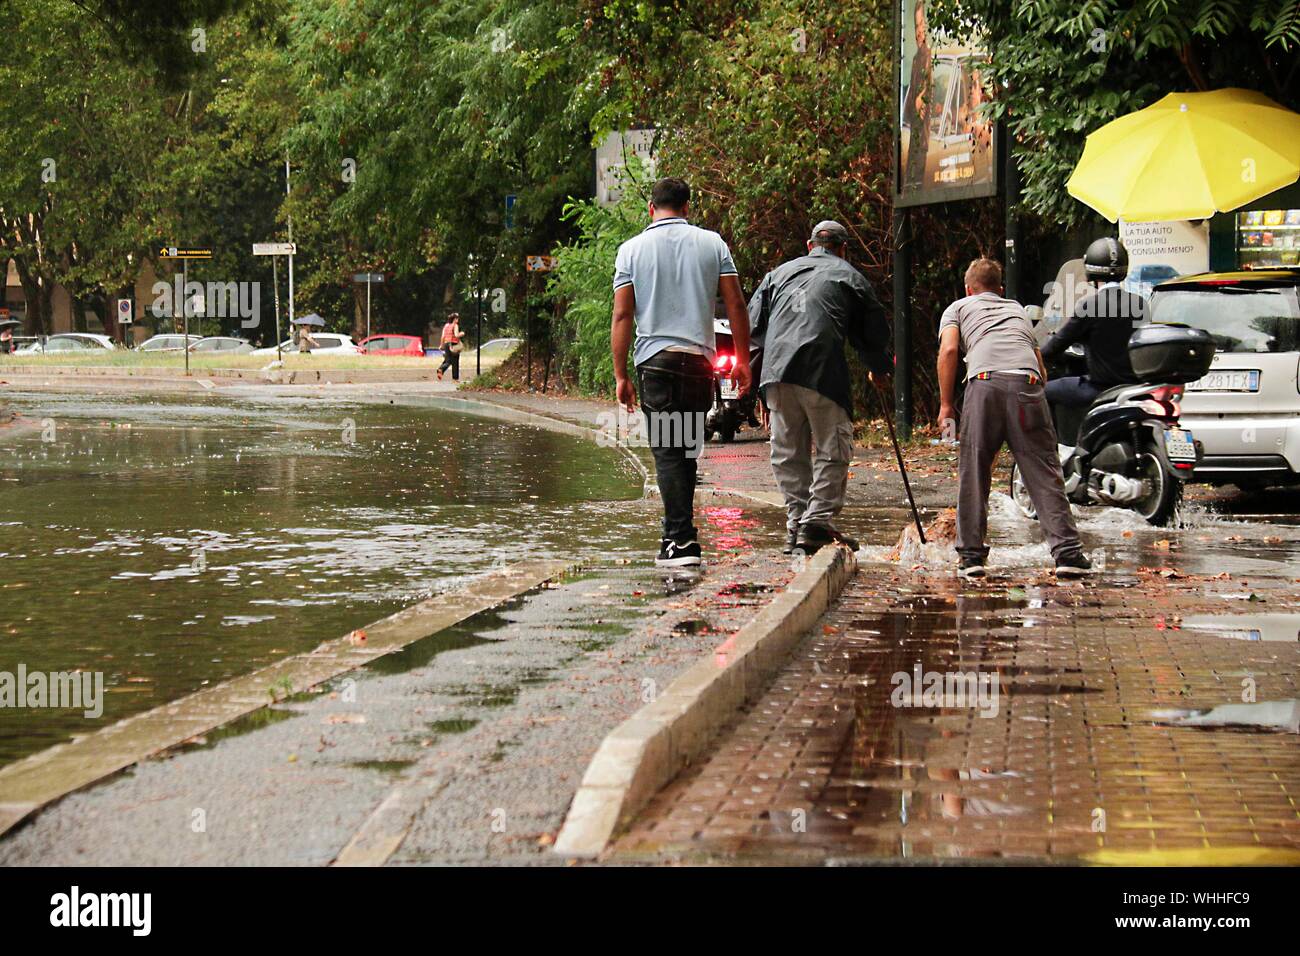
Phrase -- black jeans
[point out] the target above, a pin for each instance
(451, 360)
(676, 393)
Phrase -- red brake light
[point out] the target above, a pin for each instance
(1165, 401)
(724, 361)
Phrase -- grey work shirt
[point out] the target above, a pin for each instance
(995, 334)
(673, 268)
(801, 316)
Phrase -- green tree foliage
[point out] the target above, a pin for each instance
(1067, 67)
(583, 280)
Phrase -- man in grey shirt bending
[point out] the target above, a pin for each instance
(1004, 402)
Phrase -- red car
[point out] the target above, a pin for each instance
(393, 345)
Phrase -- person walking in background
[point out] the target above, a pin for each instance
(665, 282)
(1004, 402)
(451, 347)
(305, 341)
(802, 314)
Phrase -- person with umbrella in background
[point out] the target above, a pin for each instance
(305, 341)
(7, 327)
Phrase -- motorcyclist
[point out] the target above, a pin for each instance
(1102, 321)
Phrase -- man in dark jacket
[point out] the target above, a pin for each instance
(802, 314)
(1103, 321)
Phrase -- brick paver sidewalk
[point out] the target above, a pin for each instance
(1082, 759)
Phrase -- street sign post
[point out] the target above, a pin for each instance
(275, 249)
(368, 278)
(185, 255)
(511, 200)
(125, 316)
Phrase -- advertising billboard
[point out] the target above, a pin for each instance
(946, 148)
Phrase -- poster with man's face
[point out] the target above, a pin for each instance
(946, 146)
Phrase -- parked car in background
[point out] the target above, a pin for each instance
(71, 342)
(167, 342)
(1246, 409)
(226, 344)
(335, 343)
(392, 345)
(1144, 278)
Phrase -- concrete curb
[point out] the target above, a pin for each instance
(645, 752)
(53, 773)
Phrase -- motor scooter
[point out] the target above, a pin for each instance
(1129, 451)
(731, 410)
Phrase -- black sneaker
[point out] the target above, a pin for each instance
(1073, 565)
(791, 542)
(674, 555)
(971, 568)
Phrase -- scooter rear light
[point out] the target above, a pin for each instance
(725, 361)
(1164, 402)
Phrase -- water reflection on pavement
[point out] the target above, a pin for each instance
(1141, 715)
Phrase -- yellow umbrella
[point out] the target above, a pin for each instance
(1189, 156)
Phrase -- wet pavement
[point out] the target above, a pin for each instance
(926, 718)
(495, 719)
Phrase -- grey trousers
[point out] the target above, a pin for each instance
(813, 483)
(1006, 408)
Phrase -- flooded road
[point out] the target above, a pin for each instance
(175, 543)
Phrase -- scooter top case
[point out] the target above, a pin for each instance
(1170, 354)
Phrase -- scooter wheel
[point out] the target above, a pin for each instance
(1019, 493)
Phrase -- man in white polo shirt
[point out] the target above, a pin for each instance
(665, 283)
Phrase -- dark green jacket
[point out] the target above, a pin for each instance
(803, 313)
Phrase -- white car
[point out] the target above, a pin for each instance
(167, 342)
(71, 342)
(1246, 409)
(333, 343)
(228, 344)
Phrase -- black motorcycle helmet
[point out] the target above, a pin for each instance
(1106, 261)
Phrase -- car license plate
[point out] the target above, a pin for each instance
(729, 390)
(1228, 380)
(1179, 445)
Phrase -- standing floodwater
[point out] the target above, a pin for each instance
(173, 544)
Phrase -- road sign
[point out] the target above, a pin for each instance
(274, 249)
(539, 263)
(125, 311)
(368, 277)
(510, 210)
(177, 252)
